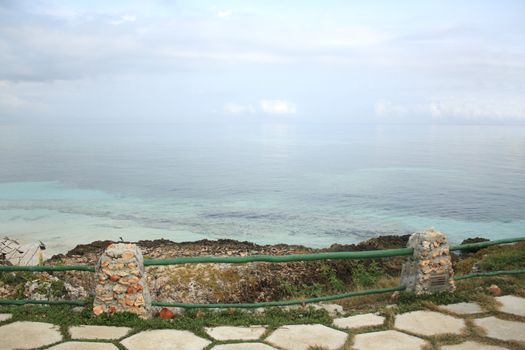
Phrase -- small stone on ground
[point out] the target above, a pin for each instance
(358, 321)
(236, 333)
(76, 345)
(28, 335)
(512, 305)
(98, 332)
(243, 346)
(463, 308)
(5, 317)
(429, 323)
(387, 340)
(502, 329)
(302, 337)
(472, 345)
(165, 339)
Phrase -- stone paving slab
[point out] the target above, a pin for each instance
(358, 321)
(243, 346)
(463, 308)
(472, 345)
(28, 335)
(512, 305)
(236, 333)
(77, 345)
(429, 323)
(302, 337)
(502, 329)
(98, 332)
(387, 340)
(165, 339)
(5, 317)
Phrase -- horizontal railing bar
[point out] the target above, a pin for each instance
(479, 245)
(42, 302)
(279, 303)
(369, 254)
(488, 273)
(38, 268)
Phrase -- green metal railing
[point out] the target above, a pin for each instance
(371, 254)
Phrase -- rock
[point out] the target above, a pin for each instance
(358, 321)
(512, 305)
(98, 332)
(77, 345)
(161, 339)
(502, 329)
(166, 313)
(429, 323)
(98, 310)
(304, 337)
(224, 333)
(387, 340)
(28, 335)
(463, 308)
(494, 290)
(395, 295)
(5, 317)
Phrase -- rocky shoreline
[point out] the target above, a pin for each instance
(226, 283)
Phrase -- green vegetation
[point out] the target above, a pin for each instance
(367, 276)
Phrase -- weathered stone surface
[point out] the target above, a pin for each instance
(463, 308)
(429, 269)
(387, 340)
(302, 337)
(28, 335)
(165, 339)
(512, 305)
(502, 329)
(243, 346)
(236, 333)
(98, 332)
(366, 320)
(472, 345)
(333, 310)
(77, 345)
(429, 323)
(121, 283)
(5, 317)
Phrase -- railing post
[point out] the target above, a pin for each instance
(121, 281)
(429, 270)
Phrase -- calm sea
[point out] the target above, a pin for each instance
(306, 184)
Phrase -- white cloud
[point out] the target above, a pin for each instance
(124, 19)
(477, 108)
(278, 107)
(234, 108)
(224, 14)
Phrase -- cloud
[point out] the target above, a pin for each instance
(278, 107)
(124, 19)
(234, 108)
(475, 108)
(224, 14)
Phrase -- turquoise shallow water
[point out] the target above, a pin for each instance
(268, 183)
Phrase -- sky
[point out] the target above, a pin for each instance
(234, 61)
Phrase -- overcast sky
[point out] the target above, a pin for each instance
(215, 61)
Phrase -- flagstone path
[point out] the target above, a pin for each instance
(464, 326)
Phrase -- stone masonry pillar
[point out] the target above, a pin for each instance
(429, 270)
(121, 283)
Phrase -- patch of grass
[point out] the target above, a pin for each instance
(504, 260)
(367, 275)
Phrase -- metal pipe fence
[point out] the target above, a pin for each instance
(371, 254)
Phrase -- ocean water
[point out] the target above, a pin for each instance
(268, 183)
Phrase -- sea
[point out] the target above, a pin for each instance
(265, 182)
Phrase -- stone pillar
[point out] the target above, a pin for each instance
(429, 270)
(121, 282)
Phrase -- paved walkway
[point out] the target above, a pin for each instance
(463, 326)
